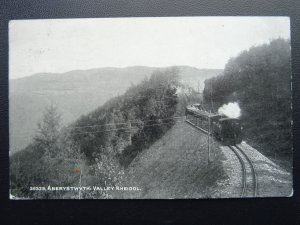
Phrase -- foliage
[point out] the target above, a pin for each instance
(260, 81)
(105, 172)
(49, 160)
(131, 122)
(48, 132)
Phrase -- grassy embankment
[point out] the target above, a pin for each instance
(175, 166)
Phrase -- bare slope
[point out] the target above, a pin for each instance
(176, 167)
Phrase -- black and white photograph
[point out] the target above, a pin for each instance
(150, 108)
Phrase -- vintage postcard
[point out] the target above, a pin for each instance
(150, 108)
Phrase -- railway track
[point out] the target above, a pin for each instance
(249, 177)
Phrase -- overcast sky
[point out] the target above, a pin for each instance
(62, 45)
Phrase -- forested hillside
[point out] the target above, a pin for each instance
(259, 79)
(95, 149)
(130, 122)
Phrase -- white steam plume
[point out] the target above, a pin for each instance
(231, 110)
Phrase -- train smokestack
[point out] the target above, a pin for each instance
(231, 110)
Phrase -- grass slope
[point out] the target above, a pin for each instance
(176, 167)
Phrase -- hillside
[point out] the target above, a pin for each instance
(75, 93)
(176, 166)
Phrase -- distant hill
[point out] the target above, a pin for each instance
(77, 92)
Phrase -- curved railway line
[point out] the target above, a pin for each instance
(249, 177)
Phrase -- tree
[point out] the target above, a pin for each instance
(42, 169)
(49, 131)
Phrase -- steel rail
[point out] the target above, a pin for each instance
(253, 170)
(244, 170)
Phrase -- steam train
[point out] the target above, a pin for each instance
(227, 130)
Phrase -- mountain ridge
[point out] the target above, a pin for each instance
(109, 68)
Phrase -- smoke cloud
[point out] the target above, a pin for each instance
(231, 110)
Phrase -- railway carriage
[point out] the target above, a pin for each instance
(225, 129)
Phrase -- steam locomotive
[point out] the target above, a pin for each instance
(227, 130)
